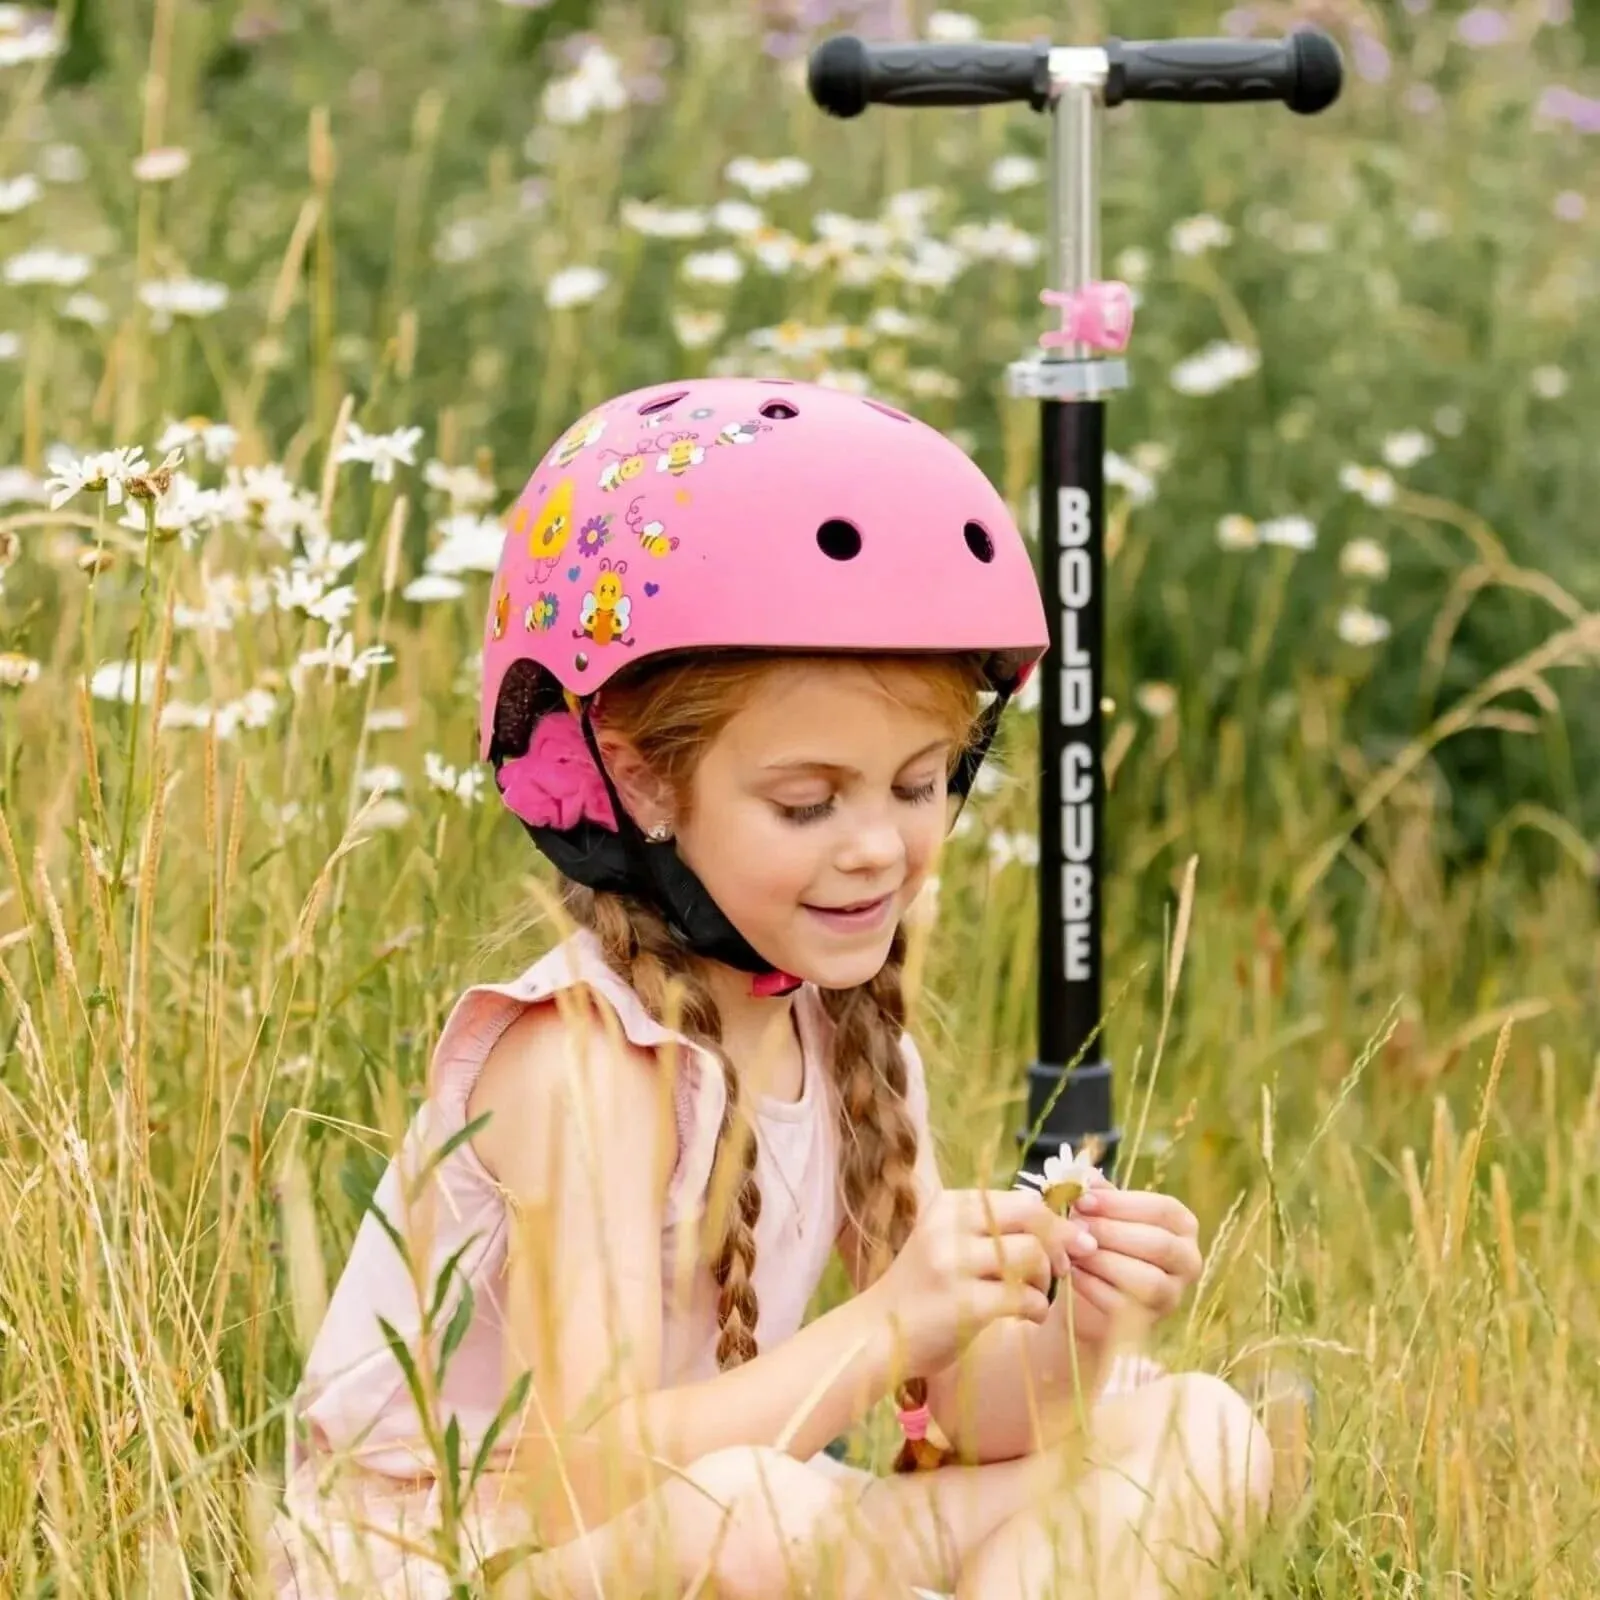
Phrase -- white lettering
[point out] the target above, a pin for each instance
(1072, 653)
(1078, 761)
(1077, 696)
(1072, 512)
(1077, 894)
(1076, 951)
(1076, 583)
(1077, 774)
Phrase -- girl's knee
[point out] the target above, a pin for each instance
(1222, 1443)
(752, 1519)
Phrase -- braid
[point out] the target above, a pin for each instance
(640, 949)
(878, 1144)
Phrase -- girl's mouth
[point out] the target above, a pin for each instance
(863, 916)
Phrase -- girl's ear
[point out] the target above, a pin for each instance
(646, 797)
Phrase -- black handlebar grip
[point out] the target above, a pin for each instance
(1305, 71)
(845, 76)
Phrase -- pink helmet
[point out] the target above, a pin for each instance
(729, 513)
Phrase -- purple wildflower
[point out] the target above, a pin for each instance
(1483, 27)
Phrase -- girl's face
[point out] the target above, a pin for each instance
(815, 816)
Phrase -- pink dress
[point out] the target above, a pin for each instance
(365, 1481)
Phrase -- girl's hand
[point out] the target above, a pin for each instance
(975, 1255)
(1148, 1257)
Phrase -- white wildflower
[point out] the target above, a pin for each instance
(1450, 421)
(464, 487)
(1013, 172)
(1293, 533)
(161, 165)
(183, 297)
(119, 680)
(1361, 628)
(953, 27)
(1063, 1179)
(1214, 368)
(19, 487)
(1140, 486)
(1006, 848)
(381, 451)
(18, 192)
(1364, 558)
(63, 163)
(384, 814)
(928, 383)
(696, 329)
(431, 586)
(761, 178)
(61, 269)
(658, 221)
(738, 217)
(713, 266)
(10, 345)
(104, 471)
(86, 308)
(339, 654)
(468, 543)
(387, 719)
(381, 780)
(465, 785)
(1406, 449)
(17, 670)
(574, 286)
(1549, 382)
(1237, 532)
(997, 240)
(595, 85)
(216, 440)
(1156, 700)
(1133, 265)
(1194, 236)
(1376, 486)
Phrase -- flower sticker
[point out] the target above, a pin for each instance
(541, 616)
(556, 784)
(502, 609)
(594, 535)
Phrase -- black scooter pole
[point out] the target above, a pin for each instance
(1076, 368)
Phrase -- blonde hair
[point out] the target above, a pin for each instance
(669, 714)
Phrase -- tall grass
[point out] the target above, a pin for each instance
(236, 905)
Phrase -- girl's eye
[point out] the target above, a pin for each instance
(921, 794)
(811, 813)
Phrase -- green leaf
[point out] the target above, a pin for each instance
(452, 1469)
(441, 1284)
(401, 1352)
(509, 1407)
(448, 1148)
(460, 1321)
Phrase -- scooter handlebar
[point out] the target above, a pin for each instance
(1304, 71)
(846, 76)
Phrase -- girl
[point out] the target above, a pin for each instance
(736, 652)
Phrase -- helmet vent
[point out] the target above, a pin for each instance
(778, 410)
(839, 540)
(979, 542)
(661, 402)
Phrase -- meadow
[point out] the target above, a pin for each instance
(291, 300)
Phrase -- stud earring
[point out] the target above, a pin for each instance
(658, 833)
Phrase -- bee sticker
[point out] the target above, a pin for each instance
(742, 432)
(541, 616)
(548, 535)
(604, 617)
(578, 438)
(652, 536)
(622, 469)
(502, 611)
(680, 452)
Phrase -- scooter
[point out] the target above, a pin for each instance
(1077, 366)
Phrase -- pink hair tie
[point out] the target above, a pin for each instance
(1100, 315)
(914, 1423)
